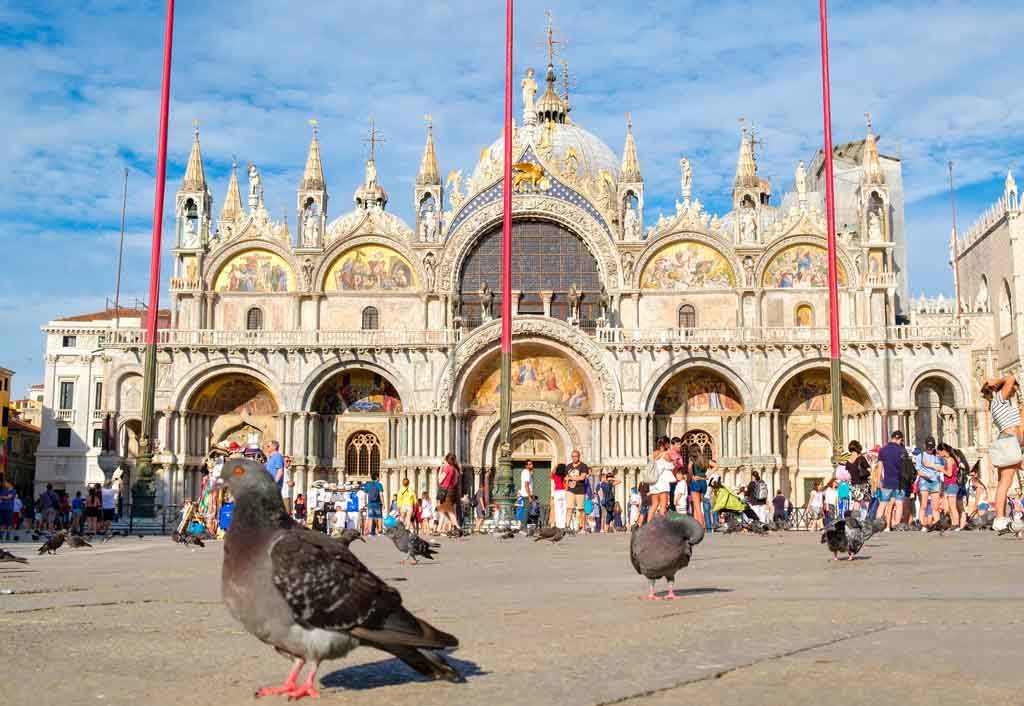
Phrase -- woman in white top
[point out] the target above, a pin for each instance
(831, 501)
(1005, 451)
(814, 503)
(666, 477)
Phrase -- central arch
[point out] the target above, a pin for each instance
(233, 407)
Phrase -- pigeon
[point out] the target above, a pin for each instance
(77, 541)
(307, 596)
(51, 545)
(941, 525)
(7, 556)
(350, 535)
(848, 536)
(550, 534)
(409, 544)
(510, 534)
(663, 546)
(981, 520)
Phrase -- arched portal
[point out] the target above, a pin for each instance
(699, 398)
(548, 261)
(935, 416)
(233, 407)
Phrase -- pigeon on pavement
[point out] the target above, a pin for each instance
(7, 556)
(551, 534)
(942, 525)
(51, 545)
(847, 536)
(409, 544)
(663, 546)
(77, 541)
(307, 595)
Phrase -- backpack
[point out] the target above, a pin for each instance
(373, 492)
(963, 468)
(761, 490)
(908, 472)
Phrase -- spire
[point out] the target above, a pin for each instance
(550, 106)
(313, 175)
(232, 209)
(195, 178)
(429, 173)
(746, 165)
(630, 163)
(870, 163)
(371, 193)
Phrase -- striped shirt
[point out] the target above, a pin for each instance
(1004, 414)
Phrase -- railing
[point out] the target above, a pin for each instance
(353, 338)
(66, 415)
(180, 283)
(936, 333)
(98, 415)
(880, 279)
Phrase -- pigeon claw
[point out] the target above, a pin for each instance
(303, 691)
(650, 597)
(283, 690)
(671, 596)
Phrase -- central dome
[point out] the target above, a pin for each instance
(593, 156)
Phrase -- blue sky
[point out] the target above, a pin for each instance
(80, 82)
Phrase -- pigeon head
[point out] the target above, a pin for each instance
(257, 497)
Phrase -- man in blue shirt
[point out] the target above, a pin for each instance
(374, 505)
(7, 495)
(890, 497)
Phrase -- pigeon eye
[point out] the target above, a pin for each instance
(238, 471)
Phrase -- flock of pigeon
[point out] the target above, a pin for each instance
(311, 599)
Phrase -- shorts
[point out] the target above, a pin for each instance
(92, 512)
(50, 515)
(1005, 451)
(575, 501)
(108, 515)
(374, 511)
(928, 486)
(887, 494)
(5, 518)
(699, 485)
(952, 489)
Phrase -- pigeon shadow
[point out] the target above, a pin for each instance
(391, 672)
(683, 592)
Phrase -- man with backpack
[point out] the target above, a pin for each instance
(374, 505)
(757, 496)
(893, 458)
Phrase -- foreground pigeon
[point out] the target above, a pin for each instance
(663, 546)
(409, 544)
(847, 536)
(350, 535)
(7, 556)
(51, 545)
(307, 595)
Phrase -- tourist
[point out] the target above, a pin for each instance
(950, 486)
(842, 491)
(374, 505)
(479, 508)
(779, 506)
(526, 490)
(353, 518)
(576, 490)
(108, 503)
(64, 510)
(1005, 452)
(890, 496)
(815, 507)
(7, 496)
(757, 496)
(16, 513)
(929, 483)
(559, 503)
(859, 468)
(616, 523)
(77, 512)
(447, 495)
(831, 502)
(977, 495)
(533, 516)
(697, 471)
(606, 492)
(665, 471)
(393, 507)
(675, 454)
(426, 513)
(275, 462)
(634, 507)
(48, 505)
(300, 508)
(681, 492)
(93, 506)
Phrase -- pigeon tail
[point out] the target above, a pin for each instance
(429, 664)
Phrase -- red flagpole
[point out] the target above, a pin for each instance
(504, 481)
(833, 275)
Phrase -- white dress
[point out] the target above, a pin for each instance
(666, 475)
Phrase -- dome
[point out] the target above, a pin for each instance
(593, 155)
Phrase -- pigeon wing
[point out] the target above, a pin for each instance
(325, 585)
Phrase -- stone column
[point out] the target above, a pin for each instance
(545, 297)
(516, 294)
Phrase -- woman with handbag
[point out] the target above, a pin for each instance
(446, 492)
(1005, 452)
(663, 473)
(697, 481)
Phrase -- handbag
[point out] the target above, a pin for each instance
(1005, 452)
(651, 474)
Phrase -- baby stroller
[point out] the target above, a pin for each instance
(734, 510)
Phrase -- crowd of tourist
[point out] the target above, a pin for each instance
(54, 510)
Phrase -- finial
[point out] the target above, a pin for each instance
(867, 118)
(373, 138)
(429, 119)
(550, 41)
(629, 122)
(315, 125)
(195, 129)
(234, 162)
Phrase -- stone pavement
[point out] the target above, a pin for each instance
(921, 619)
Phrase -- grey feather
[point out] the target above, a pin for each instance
(409, 544)
(662, 547)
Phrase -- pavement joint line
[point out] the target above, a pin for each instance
(104, 604)
(729, 670)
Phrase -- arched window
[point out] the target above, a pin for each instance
(981, 304)
(687, 316)
(362, 454)
(700, 439)
(254, 319)
(1006, 311)
(371, 319)
(547, 258)
(804, 317)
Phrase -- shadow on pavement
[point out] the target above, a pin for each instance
(390, 672)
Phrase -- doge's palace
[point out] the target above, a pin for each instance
(364, 343)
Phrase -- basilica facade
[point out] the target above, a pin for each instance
(365, 343)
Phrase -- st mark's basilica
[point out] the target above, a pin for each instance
(366, 343)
